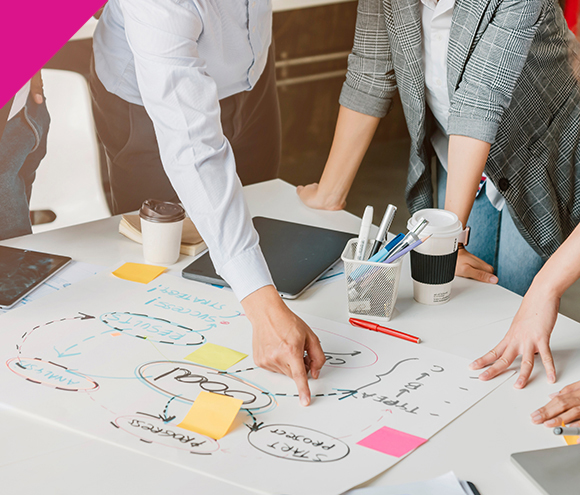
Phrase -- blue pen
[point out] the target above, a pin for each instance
(377, 258)
(382, 254)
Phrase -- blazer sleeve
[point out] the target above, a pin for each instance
(491, 73)
(370, 80)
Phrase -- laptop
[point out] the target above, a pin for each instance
(553, 471)
(296, 254)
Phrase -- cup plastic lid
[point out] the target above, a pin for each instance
(442, 223)
(157, 211)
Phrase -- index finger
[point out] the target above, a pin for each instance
(555, 410)
(491, 357)
(548, 361)
(503, 363)
(298, 374)
(526, 368)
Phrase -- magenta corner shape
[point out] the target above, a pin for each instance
(31, 32)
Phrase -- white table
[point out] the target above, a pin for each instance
(476, 446)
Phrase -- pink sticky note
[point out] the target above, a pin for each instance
(392, 442)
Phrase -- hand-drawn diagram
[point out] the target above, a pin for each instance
(107, 358)
(297, 443)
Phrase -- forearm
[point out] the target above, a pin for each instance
(562, 269)
(98, 13)
(467, 158)
(352, 137)
(182, 101)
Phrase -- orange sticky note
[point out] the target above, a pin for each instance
(137, 272)
(571, 439)
(211, 415)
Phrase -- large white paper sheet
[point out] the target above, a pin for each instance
(106, 358)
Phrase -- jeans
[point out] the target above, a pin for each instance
(22, 147)
(495, 239)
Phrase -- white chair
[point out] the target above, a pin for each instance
(68, 181)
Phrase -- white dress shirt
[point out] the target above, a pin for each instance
(436, 20)
(178, 58)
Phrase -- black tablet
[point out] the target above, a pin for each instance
(21, 271)
(296, 254)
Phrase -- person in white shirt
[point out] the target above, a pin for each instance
(22, 147)
(185, 104)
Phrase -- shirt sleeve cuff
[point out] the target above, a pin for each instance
(361, 102)
(484, 130)
(247, 272)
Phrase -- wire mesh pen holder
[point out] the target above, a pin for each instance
(371, 287)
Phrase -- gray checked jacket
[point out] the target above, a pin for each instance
(513, 76)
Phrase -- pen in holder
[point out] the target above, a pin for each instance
(371, 287)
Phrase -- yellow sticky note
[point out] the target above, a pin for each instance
(211, 415)
(136, 272)
(216, 356)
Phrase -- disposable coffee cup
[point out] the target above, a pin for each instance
(161, 227)
(433, 262)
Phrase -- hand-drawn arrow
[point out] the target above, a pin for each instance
(86, 317)
(346, 393)
(211, 325)
(231, 316)
(255, 426)
(27, 334)
(64, 354)
(163, 416)
(82, 317)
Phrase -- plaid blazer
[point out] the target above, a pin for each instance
(513, 77)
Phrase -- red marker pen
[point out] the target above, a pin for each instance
(378, 328)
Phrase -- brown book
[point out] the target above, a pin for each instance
(191, 242)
